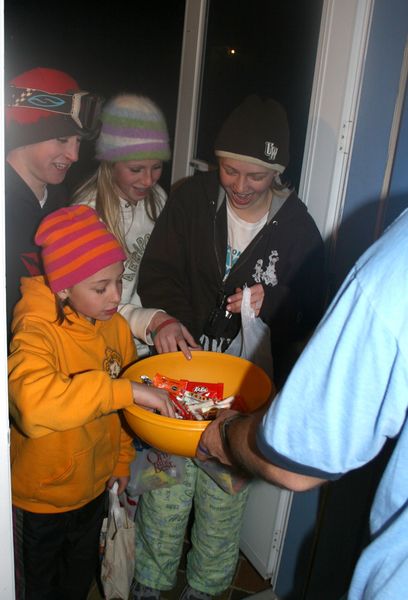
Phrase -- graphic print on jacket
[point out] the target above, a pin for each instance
(112, 363)
(268, 275)
(132, 264)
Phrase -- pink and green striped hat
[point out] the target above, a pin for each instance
(75, 245)
(133, 128)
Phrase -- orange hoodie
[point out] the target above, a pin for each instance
(66, 438)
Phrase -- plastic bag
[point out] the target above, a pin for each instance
(253, 341)
(119, 553)
(153, 469)
(130, 504)
(228, 480)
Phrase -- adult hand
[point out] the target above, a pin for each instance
(172, 336)
(257, 297)
(122, 483)
(210, 444)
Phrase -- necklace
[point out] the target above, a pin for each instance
(129, 227)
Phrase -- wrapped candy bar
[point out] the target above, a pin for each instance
(175, 389)
(193, 400)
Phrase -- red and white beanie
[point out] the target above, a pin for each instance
(25, 126)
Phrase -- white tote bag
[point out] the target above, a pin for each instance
(253, 341)
(119, 557)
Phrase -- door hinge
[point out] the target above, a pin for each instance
(345, 137)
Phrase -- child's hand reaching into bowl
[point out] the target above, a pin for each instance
(152, 399)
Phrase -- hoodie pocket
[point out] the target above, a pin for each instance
(76, 485)
(66, 473)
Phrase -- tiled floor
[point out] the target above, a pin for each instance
(246, 583)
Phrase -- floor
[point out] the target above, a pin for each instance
(247, 582)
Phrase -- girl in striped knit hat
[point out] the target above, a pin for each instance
(67, 445)
(132, 146)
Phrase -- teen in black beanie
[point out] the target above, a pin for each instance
(220, 230)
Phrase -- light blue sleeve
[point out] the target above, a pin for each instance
(340, 402)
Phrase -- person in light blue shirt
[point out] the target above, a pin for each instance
(347, 394)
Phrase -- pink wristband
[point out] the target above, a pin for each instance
(166, 322)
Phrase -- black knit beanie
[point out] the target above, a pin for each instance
(257, 131)
(25, 126)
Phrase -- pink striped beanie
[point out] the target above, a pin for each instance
(75, 245)
(133, 128)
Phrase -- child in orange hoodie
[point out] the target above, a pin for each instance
(67, 445)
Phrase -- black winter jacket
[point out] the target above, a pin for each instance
(183, 266)
(23, 216)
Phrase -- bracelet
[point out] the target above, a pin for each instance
(224, 430)
(166, 322)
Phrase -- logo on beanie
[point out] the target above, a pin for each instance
(45, 101)
(271, 150)
(27, 97)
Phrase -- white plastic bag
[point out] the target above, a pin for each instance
(119, 556)
(253, 341)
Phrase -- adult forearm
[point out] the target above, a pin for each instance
(242, 452)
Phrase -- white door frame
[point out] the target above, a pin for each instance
(195, 20)
(6, 525)
(341, 54)
(342, 46)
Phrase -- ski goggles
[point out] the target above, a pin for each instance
(83, 108)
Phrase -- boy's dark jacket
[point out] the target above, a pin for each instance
(23, 216)
(184, 263)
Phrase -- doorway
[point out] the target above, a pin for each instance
(320, 186)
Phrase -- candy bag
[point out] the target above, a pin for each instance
(253, 341)
(152, 469)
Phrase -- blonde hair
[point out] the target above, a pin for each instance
(280, 188)
(100, 186)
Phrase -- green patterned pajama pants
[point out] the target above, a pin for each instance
(161, 522)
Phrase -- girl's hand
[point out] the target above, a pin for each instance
(122, 483)
(172, 337)
(257, 297)
(152, 398)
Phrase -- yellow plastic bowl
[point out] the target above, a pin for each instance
(176, 436)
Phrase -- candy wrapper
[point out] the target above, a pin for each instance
(239, 404)
(175, 389)
(195, 400)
